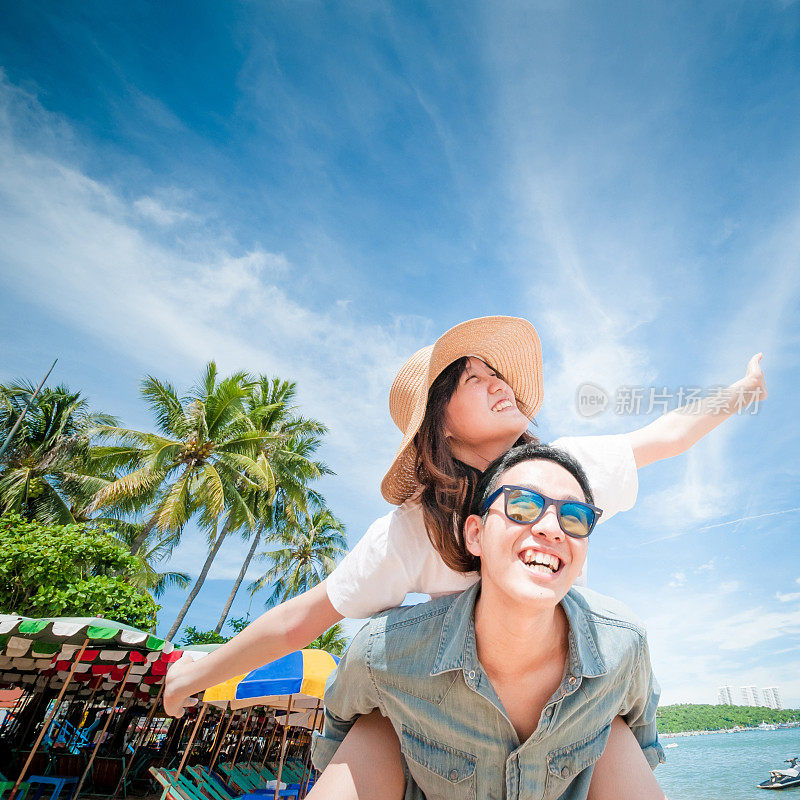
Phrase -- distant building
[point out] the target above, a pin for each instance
(772, 697)
(749, 696)
(725, 696)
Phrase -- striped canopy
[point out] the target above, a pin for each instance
(46, 648)
(301, 674)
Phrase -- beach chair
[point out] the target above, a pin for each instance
(173, 790)
(181, 787)
(243, 780)
(220, 790)
(255, 776)
(54, 784)
(6, 786)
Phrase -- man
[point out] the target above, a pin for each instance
(508, 689)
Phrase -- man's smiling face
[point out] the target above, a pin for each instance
(529, 562)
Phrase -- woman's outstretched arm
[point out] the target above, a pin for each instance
(677, 430)
(281, 630)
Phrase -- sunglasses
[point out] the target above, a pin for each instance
(527, 506)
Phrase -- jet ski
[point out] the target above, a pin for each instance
(783, 778)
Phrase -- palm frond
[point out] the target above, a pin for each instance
(163, 400)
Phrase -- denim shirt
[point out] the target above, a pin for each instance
(419, 666)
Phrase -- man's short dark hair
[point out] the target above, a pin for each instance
(490, 480)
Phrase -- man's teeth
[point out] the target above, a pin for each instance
(502, 405)
(540, 561)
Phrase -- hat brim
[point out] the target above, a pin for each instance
(508, 344)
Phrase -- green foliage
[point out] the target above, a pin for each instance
(69, 570)
(193, 635)
(332, 641)
(684, 717)
(47, 472)
(309, 547)
(206, 454)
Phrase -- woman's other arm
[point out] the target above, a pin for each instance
(677, 430)
(281, 630)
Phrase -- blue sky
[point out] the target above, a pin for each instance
(316, 190)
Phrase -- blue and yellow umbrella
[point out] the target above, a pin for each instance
(301, 675)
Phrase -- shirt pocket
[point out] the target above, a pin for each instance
(564, 764)
(447, 773)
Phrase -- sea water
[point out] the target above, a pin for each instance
(727, 766)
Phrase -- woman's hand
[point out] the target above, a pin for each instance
(177, 688)
(753, 387)
(676, 431)
(281, 630)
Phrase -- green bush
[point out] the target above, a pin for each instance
(69, 570)
(685, 717)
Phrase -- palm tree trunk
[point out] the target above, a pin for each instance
(145, 532)
(198, 584)
(239, 579)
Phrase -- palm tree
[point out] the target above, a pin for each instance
(333, 641)
(205, 454)
(285, 440)
(156, 548)
(269, 408)
(47, 473)
(310, 547)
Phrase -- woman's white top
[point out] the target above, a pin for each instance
(395, 556)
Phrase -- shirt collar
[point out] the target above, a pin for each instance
(457, 648)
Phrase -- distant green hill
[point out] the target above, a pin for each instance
(683, 717)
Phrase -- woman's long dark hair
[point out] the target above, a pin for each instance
(448, 485)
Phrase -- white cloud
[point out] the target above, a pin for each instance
(584, 320)
(708, 634)
(154, 210)
(678, 579)
(81, 251)
(789, 597)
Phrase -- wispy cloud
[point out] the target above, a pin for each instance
(704, 635)
(751, 517)
(74, 244)
(678, 579)
(153, 209)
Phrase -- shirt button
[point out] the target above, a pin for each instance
(572, 680)
(564, 772)
(471, 676)
(454, 775)
(548, 712)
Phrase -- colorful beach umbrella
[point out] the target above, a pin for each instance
(301, 675)
(30, 648)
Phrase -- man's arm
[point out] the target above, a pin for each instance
(349, 693)
(677, 430)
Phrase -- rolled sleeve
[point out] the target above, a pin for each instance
(642, 705)
(610, 466)
(323, 748)
(374, 575)
(350, 692)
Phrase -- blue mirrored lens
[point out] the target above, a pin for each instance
(576, 519)
(523, 505)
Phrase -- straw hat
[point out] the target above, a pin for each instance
(508, 344)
